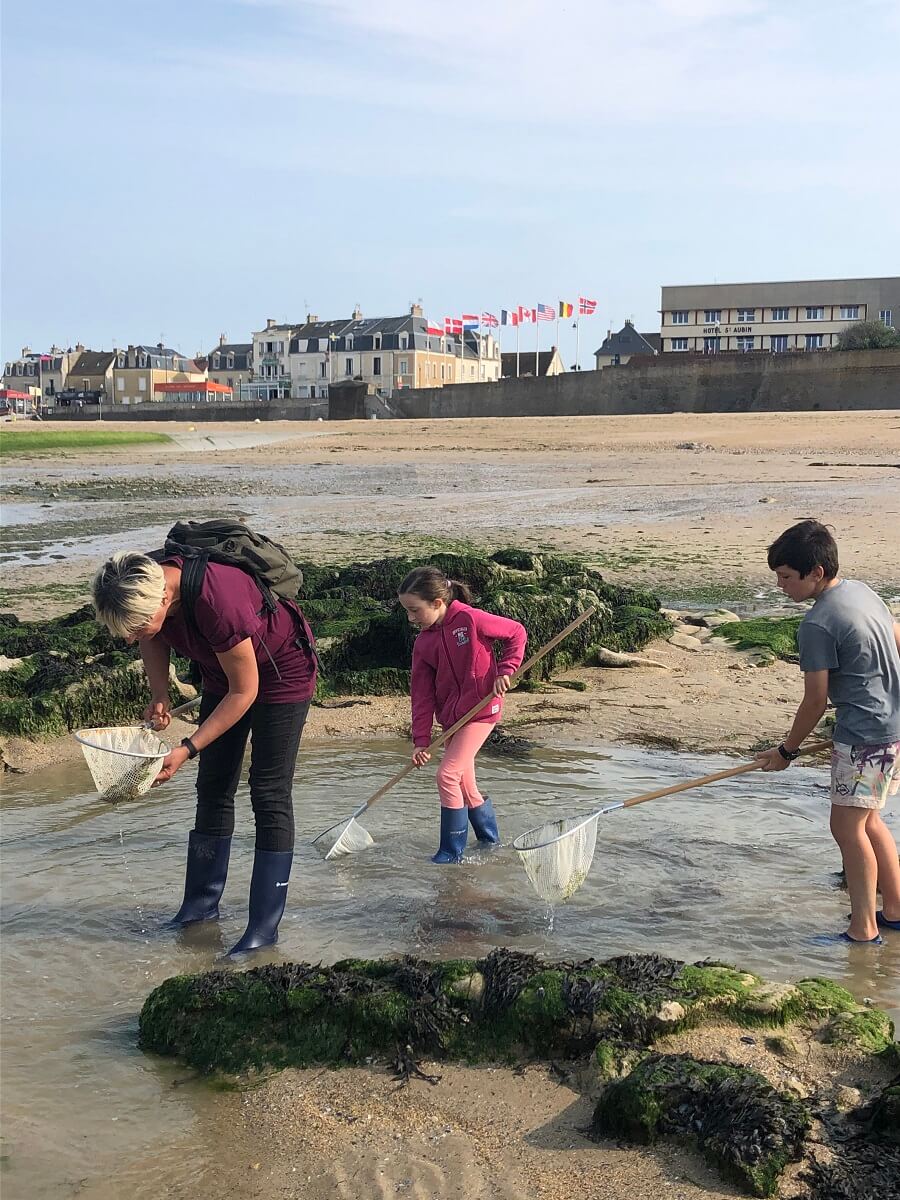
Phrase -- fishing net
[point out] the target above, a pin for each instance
(558, 855)
(348, 837)
(123, 760)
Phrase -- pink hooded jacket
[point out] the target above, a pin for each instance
(453, 667)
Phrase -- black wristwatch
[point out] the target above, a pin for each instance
(190, 747)
(787, 755)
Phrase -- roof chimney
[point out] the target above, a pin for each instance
(415, 310)
(222, 339)
(357, 313)
(26, 350)
(270, 322)
(79, 348)
(312, 318)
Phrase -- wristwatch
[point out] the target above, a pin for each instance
(788, 755)
(190, 747)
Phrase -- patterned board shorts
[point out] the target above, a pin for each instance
(864, 776)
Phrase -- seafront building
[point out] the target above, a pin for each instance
(774, 317)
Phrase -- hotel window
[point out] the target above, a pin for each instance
(815, 313)
(229, 364)
(680, 317)
(349, 342)
(403, 366)
(711, 345)
(120, 384)
(712, 316)
(679, 343)
(781, 314)
(779, 342)
(886, 317)
(745, 343)
(849, 312)
(376, 365)
(746, 315)
(142, 384)
(814, 341)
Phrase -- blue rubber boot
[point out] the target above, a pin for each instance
(454, 832)
(268, 895)
(204, 881)
(484, 823)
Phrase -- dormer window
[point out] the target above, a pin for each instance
(217, 362)
(349, 345)
(229, 362)
(123, 362)
(404, 341)
(142, 360)
(377, 342)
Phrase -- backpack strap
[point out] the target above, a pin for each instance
(193, 572)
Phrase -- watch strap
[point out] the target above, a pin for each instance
(190, 747)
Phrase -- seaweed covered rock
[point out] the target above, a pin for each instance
(865, 1164)
(72, 673)
(738, 1120)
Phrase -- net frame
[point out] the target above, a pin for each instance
(348, 837)
(123, 760)
(558, 854)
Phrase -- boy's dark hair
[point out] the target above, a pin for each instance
(803, 547)
(430, 583)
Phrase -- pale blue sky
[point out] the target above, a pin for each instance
(181, 169)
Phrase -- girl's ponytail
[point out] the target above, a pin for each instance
(430, 583)
(460, 591)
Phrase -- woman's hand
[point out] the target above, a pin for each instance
(156, 714)
(174, 760)
(421, 757)
(502, 684)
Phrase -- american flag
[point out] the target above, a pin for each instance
(586, 307)
(526, 315)
(489, 320)
(546, 312)
(453, 325)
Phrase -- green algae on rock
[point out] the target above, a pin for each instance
(739, 1122)
(73, 674)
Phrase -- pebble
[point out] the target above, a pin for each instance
(685, 641)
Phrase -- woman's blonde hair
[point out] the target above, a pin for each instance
(127, 591)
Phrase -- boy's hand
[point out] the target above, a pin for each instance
(421, 757)
(773, 760)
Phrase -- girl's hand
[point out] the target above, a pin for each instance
(156, 713)
(502, 684)
(171, 763)
(421, 757)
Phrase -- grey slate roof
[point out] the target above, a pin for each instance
(526, 363)
(93, 362)
(629, 341)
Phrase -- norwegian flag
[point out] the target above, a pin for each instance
(586, 307)
(526, 315)
(453, 325)
(489, 321)
(432, 327)
(546, 312)
(470, 320)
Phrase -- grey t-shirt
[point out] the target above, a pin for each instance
(849, 633)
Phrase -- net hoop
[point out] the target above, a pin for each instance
(522, 845)
(96, 743)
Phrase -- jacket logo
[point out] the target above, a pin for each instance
(462, 635)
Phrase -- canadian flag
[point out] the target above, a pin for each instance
(526, 315)
(586, 307)
(453, 325)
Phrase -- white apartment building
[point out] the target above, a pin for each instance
(772, 317)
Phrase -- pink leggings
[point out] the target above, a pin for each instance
(456, 774)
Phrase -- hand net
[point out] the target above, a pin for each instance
(123, 760)
(558, 855)
(347, 838)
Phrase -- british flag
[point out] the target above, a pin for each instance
(489, 321)
(546, 312)
(586, 307)
(453, 325)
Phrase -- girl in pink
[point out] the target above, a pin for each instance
(453, 667)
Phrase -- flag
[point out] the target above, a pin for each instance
(526, 315)
(586, 307)
(565, 310)
(470, 320)
(453, 325)
(433, 328)
(546, 312)
(45, 358)
(489, 320)
(508, 317)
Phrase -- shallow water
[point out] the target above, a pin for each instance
(741, 871)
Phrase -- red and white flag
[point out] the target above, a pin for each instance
(453, 325)
(526, 315)
(546, 312)
(489, 321)
(586, 307)
(432, 327)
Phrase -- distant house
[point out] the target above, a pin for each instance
(549, 363)
(90, 377)
(619, 347)
(41, 374)
(231, 364)
(138, 369)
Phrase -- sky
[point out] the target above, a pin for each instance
(177, 169)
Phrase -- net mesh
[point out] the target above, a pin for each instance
(557, 856)
(123, 760)
(348, 838)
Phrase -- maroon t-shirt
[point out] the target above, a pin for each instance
(230, 609)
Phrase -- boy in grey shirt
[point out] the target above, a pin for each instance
(849, 653)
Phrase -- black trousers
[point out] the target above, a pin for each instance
(276, 730)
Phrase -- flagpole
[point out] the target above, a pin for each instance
(558, 351)
(537, 344)
(577, 332)
(518, 323)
